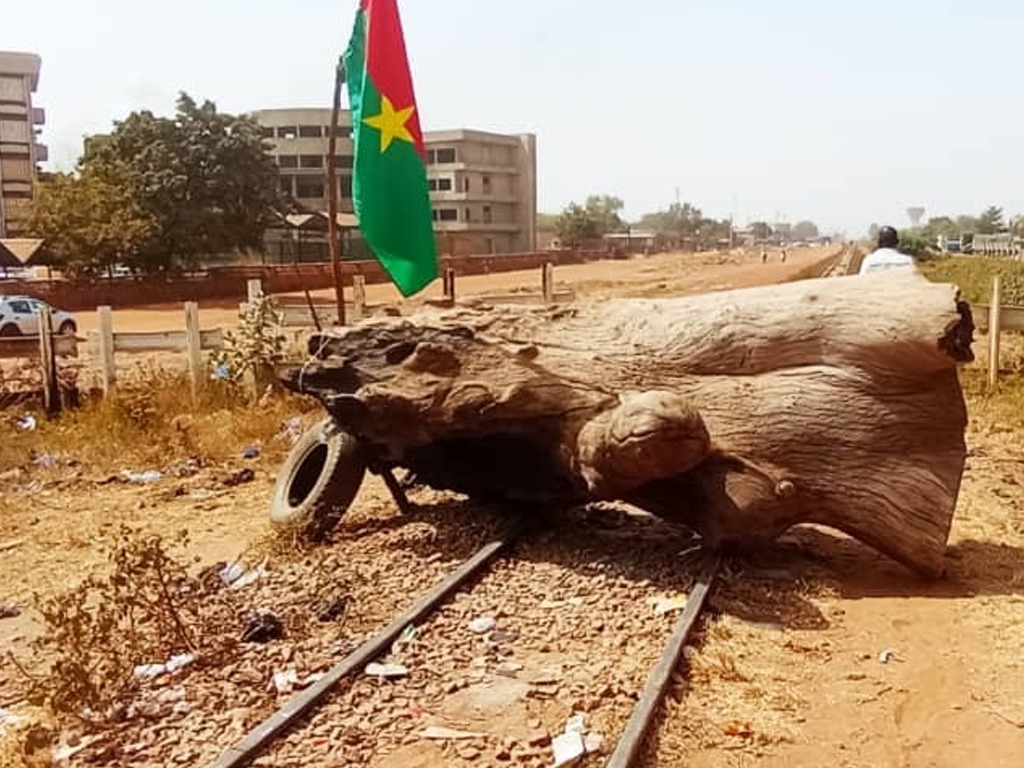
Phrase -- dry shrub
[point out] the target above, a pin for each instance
(144, 610)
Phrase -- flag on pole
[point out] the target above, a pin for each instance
(389, 180)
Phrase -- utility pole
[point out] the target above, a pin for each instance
(332, 193)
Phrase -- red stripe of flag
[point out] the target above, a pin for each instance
(387, 63)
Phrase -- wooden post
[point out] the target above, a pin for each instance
(448, 283)
(547, 282)
(106, 350)
(194, 342)
(48, 361)
(332, 193)
(253, 290)
(994, 321)
(358, 297)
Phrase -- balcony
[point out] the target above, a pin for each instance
(38, 116)
(42, 153)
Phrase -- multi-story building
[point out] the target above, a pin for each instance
(483, 185)
(19, 150)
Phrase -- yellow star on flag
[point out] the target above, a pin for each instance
(391, 123)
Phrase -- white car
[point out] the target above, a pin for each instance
(19, 316)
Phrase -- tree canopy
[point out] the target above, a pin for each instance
(599, 216)
(175, 189)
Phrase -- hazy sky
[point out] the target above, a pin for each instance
(845, 113)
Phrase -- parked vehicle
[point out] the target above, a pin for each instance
(19, 316)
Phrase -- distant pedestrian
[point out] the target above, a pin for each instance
(764, 256)
(783, 255)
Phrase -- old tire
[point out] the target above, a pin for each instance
(318, 482)
(10, 330)
(68, 328)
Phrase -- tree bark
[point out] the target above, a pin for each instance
(740, 413)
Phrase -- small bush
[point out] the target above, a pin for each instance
(143, 611)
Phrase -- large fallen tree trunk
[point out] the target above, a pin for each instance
(739, 413)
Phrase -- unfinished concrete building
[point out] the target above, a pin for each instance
(19, 150)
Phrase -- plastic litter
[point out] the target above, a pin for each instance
(889, 654)
(251, 452)
(664, 604)
(46, 461)
(239, 477)
(172, 665)
(262, 627)
(285, 681)
(386, 670)
(8, 720)
(28, 422)
(231, 573)
(406, 638)
(221, 372)
(142, 478)
(250, 577)
(9, 610)
(575, 741)
(568, 748)
(482, 625)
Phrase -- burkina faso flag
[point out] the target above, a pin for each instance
(389, 184)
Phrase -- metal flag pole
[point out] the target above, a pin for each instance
(332, 193)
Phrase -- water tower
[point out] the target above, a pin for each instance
(915, 215)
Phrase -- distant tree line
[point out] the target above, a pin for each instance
(601, 215)
(160, 193)
(919, 240)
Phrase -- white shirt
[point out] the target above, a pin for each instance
(885, 258)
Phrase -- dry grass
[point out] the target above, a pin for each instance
(150, 423)
(973, 274)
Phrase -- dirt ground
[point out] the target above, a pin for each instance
(787, 670)
(662, 274)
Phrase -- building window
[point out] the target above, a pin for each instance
(465, 184)
(487, 215)
(444, 185)
(310, 131)
(446, 155)
(267, 133)
(343, 161)
(341, 132)
(487, 185)
(469, 216)
(345, 186)
(311, 161)
(448, 214)
(287, 132)
(310, 189)
(287, 161)
(431, 157)
(432, 185)
(434, 212)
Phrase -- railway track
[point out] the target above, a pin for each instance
(295, 712)
(290, 717)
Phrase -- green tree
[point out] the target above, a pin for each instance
(89, 222)
(761, 230)
(576, 225)
(805, 230)
(203, 177)
(991, 221)
(680, 219)
(606, 211)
